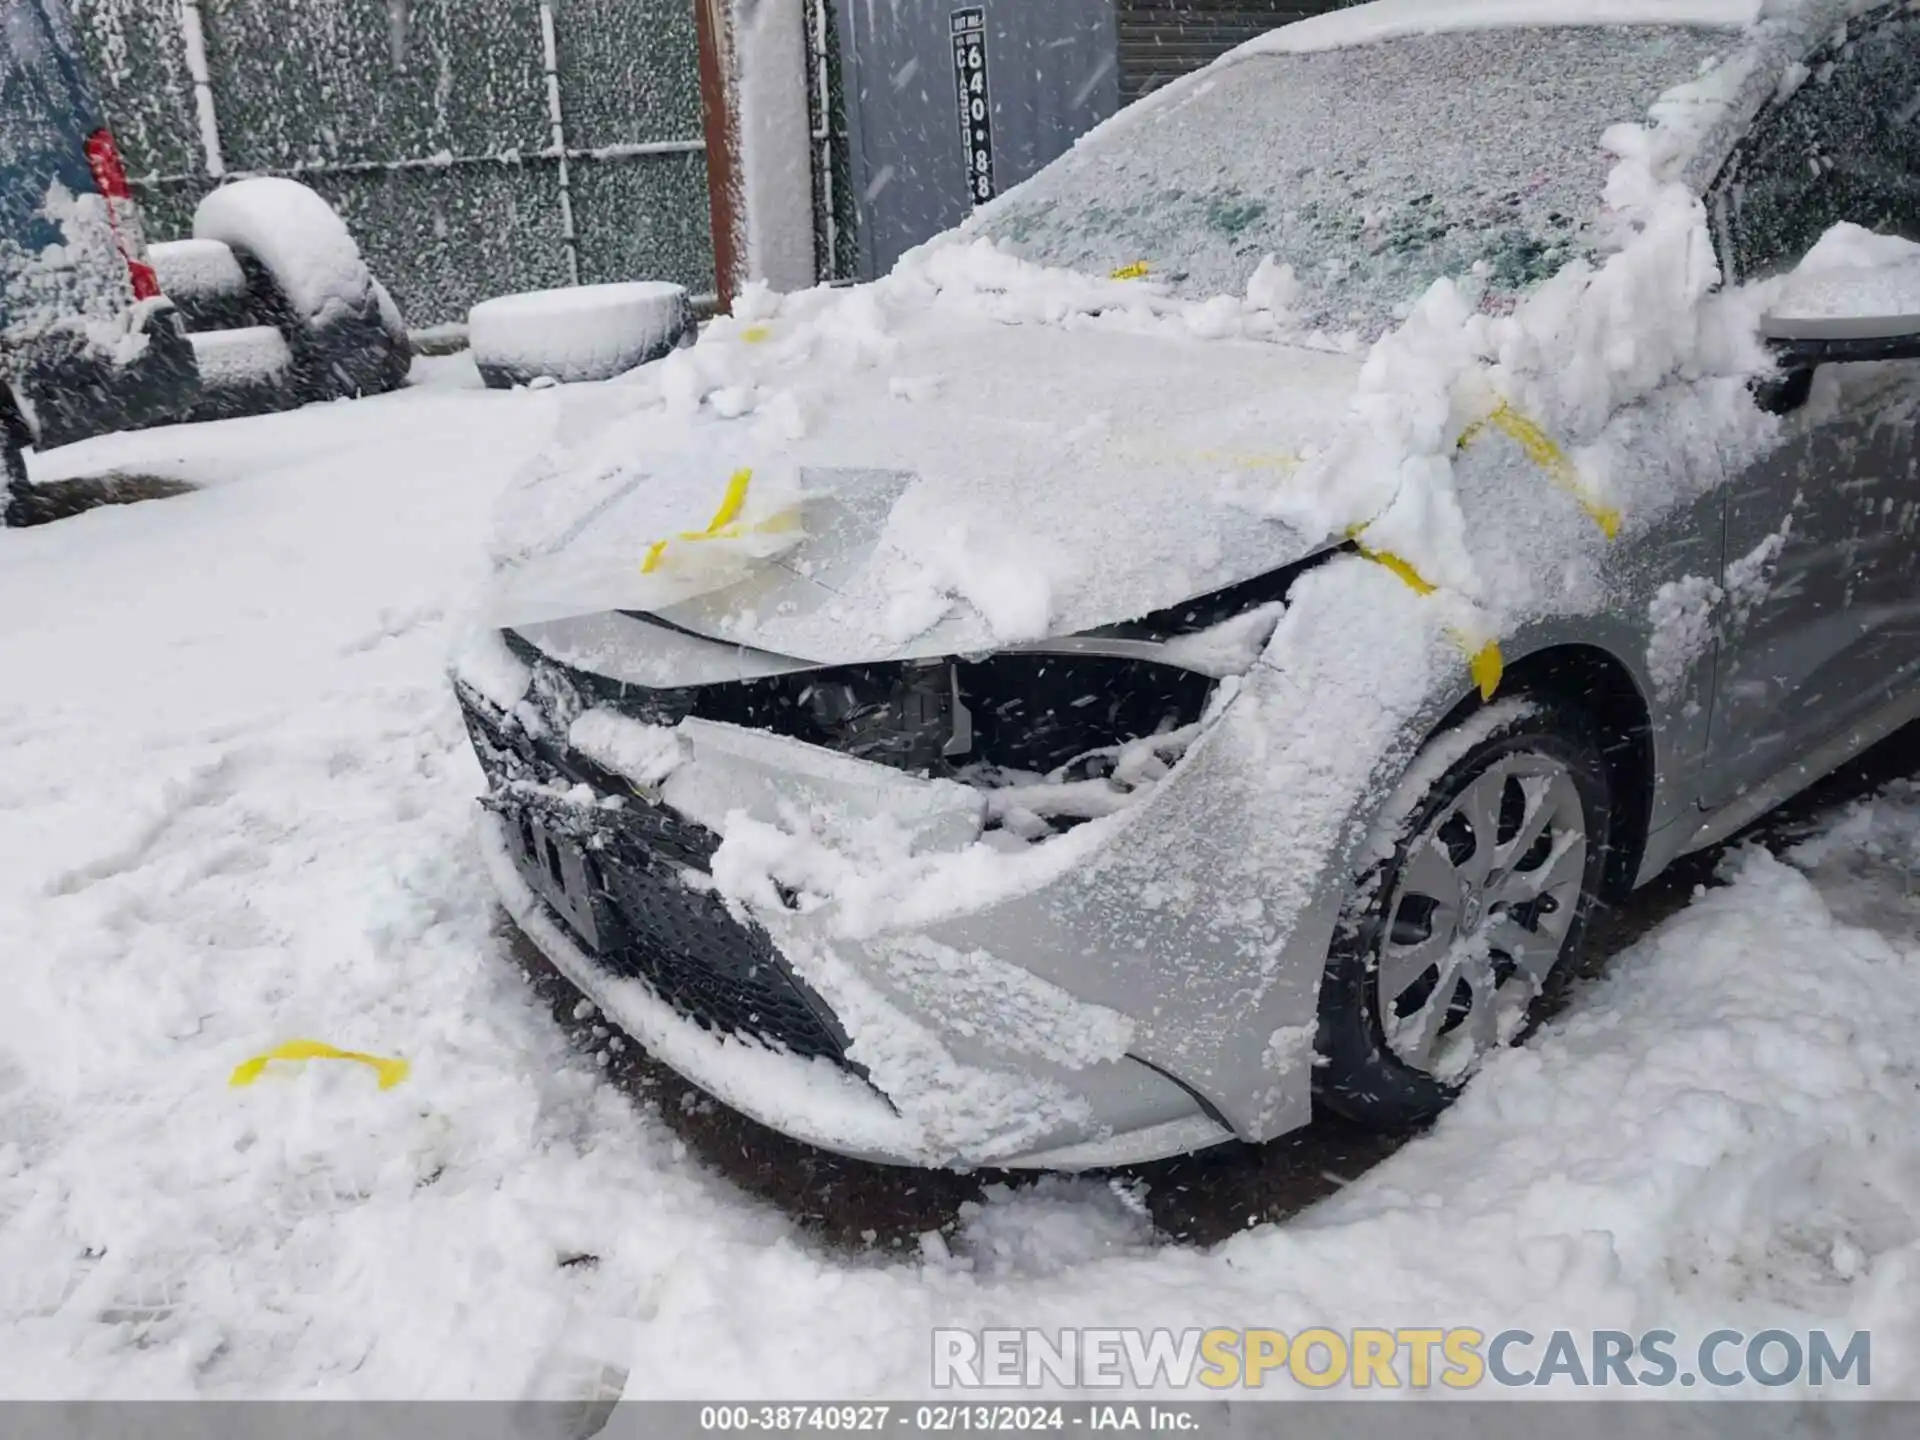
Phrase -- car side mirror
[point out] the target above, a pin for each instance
(1838, 316)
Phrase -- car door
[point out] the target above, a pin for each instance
(1820, 623)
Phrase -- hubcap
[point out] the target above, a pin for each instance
(1479, 912)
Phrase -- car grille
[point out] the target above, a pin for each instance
(630, 887)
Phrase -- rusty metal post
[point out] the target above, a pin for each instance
(719, 118)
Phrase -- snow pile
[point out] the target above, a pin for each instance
(644, 754)
(1853, 273)
(1575, 357)
(304, 246)
(869, 878)
(1716, 1136)
(272, 836)
(1012, 373)
(587, 332)
(1852, 247)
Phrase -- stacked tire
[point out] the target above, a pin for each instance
(278, 303)
(578, 333)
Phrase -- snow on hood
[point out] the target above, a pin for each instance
(978, 452)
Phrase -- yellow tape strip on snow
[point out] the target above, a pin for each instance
(1484, 661)
(722, 526)
(754, 334)
(1542, 451)
(1136, 271)
(391, 1072)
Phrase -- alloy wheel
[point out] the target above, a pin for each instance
(1479, 913)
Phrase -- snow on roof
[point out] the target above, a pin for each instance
(1391, 19)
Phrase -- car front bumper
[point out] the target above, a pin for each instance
(807, 1033)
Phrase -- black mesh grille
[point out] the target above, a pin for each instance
(709, 966)
(635, 877)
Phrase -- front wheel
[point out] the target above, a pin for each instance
(1444, 948)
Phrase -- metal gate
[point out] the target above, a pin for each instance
(950, 103)
(473, 146)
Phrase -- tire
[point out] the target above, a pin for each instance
(338, 358)
(1394, 1048)
(305, 276)
(397, 355)
(580, 332)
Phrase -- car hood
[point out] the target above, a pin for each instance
(962, 484)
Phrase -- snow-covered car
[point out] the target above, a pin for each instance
(268, 304)
(1208, 633)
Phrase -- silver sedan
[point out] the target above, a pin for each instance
(1207, 634)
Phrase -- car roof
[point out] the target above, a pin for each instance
(1392, 19)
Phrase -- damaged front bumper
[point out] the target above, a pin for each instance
(877, 1041)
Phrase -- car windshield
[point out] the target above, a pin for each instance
(1372, 171)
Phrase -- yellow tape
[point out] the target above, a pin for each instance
(1415, 581)
(730, 506)
(1484, 661)
(1137, 270)
(1540, 449)
(754, 334)
(722, 526)
(1486, 665)
(391, 1072)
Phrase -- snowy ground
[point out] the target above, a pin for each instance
(235, 808)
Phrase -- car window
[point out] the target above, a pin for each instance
(1372, 171)
(1843, 146)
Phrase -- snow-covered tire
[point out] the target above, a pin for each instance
(204, 281)
(399, 344)
(1447, 930)
(585, 332)
(305, 277)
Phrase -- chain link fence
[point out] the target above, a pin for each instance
(475, 147)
